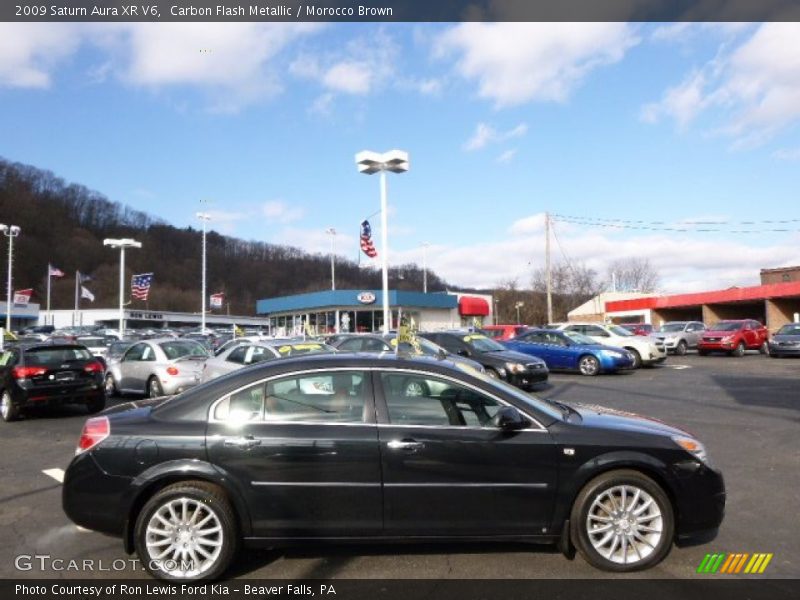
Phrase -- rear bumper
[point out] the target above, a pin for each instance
(92, 498)
(33, 396)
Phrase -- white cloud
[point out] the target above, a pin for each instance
(515, 63)
(486, 134)
(507, 156)
(755, 87)
(31, 52)
(281, 212)
(787, 154)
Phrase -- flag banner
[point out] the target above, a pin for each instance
(367, 247)
(216, 300)
(140, 286)
(22, 297)
(54, 271)
(83, 278)
(87, 294)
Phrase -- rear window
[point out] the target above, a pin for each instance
(46, 357)
(179, 349)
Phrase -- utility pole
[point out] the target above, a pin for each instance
(548, 273)
(425, 267)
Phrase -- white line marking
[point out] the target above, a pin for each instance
(678, 367)
(57, 474)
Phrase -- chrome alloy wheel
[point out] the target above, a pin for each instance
(5, 406)
(184, 538)
(624, 524)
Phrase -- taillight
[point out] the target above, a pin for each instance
(94, 367)
(95, 430)
(172, 371)
(24, 372)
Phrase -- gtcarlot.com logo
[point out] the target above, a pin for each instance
(733, 563)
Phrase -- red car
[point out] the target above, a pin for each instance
(638, 328)
(734, 337)
(504, 332)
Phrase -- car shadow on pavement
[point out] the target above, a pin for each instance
(765, 392)
(331, 560)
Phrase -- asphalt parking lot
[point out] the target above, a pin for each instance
(746, 411)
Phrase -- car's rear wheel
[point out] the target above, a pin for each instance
(187, 532)
(588, 365)
(8, 410)
(739, 351)
(637, 358)
(702, 352)
(680, 349)
(154, 387)
(95, 405)
(622, 521)
(764, 349)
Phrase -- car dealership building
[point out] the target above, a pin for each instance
(775, 302)
(361, 310)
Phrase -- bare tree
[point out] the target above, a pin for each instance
(633, 275)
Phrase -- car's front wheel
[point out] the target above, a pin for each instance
(739, 351)
(187, 532)
(588, 365)
(680, 349)
(622, 521)
(111, 386)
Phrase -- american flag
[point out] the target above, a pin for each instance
(367, 247)
(140, 285)
(54, 271)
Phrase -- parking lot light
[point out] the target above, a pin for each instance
(332, 232)
(121, 244)
(369, 163)
(10, 231)
(204, 218)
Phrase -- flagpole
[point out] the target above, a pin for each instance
(77, 284)
(47, 321)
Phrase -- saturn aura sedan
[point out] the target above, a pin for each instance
(261, 458)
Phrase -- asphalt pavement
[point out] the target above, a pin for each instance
(746, 411)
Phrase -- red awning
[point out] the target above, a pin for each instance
(470, 306)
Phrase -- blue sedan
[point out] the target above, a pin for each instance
(571, 351)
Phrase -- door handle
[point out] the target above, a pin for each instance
(410, 445)
(243, 443)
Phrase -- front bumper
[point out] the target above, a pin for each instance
(700, 501)
(529, 377)
(778, 349)
(716, 346)
(615, 363)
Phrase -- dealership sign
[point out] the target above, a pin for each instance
(366, 297)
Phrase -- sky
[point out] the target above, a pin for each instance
(600, 123)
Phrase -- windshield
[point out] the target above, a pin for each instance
(672, 327)
(579, 338)
(528, 400)
(790, 329)
(620, 331)
(482, 344)
(727, 326)
(180, 349)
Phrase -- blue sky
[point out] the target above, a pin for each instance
(502, 122)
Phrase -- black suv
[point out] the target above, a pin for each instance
(47, 374)
(521, 370)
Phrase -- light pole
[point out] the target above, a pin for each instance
(10, 231)
(425, 267)
(368, 163)
(332, 232)
(204, 218)
(518, 305)
(122, 244)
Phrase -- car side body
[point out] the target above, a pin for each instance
(680, 336)
(647, 351)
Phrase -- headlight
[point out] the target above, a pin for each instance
(515, 367)
(693, 447)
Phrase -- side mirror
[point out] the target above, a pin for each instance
(509, 418)
(463, 352)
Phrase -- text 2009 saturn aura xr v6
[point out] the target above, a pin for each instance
(385, 448)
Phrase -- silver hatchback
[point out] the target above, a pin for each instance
(157, 367)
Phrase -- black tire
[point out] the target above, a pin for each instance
(681, 348)
(9, 411)
(96, 405)
(739, 350)
(111, 386)
(702, 352)
(764, 348)
(588, 365)
(213, 500)
(637, 358)
(154, 389)
(579, 527)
